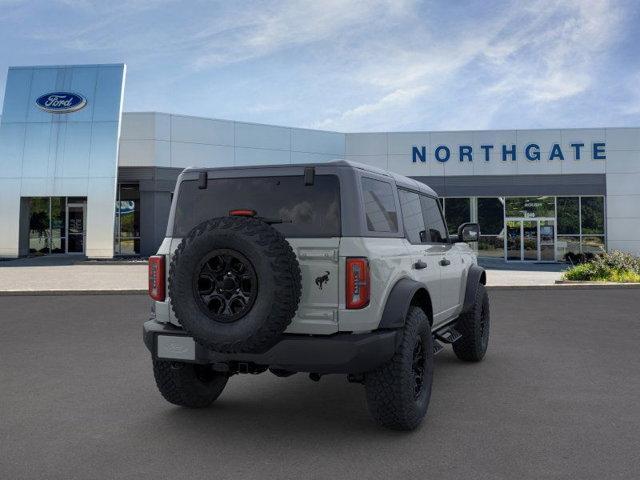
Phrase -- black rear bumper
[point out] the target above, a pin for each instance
(338, 353)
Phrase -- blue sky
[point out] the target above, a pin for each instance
(351, 65)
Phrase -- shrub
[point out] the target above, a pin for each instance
(615, 266)
(617, 260)
(578, 258)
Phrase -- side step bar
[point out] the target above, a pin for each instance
(447, 334)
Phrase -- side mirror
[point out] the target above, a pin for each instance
(469, 232)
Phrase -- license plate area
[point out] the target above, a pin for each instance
(175, 347)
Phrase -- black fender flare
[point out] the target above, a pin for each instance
(399, 301)
(475, 277)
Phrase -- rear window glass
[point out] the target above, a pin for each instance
(306, 211)
(379, 206)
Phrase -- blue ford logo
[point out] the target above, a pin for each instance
(61, 102)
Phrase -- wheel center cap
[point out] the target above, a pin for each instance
(229, 283)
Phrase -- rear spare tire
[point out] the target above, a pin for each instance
(234, 284)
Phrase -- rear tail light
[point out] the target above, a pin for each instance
(156, 278)
(358, 286)
(242, 212)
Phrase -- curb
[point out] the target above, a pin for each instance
(22, 293)
(111, 262)
(586, 282)
(143, 291)
(567, 286)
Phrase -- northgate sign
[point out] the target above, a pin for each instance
(531, 152)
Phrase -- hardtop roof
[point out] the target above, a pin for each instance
(400, 180)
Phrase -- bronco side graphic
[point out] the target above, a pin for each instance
(322, 279)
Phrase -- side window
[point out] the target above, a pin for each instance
(379, 206)
(412, 216)
(436, 231)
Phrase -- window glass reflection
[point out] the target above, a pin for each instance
(491, 215)
(39, 225)
(491, 246)
(592, 215)
(530, 207)
(457, 211)
(593, 244)
(127, 220)
(568, 216)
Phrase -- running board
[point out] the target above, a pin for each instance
(448, 335)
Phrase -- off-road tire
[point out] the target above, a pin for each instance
(278, 284)
(390, 389)
(187, 384)
(474, 328)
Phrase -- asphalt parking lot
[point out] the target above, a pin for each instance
(558, 396)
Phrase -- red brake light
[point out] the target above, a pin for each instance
(241, 212)
(358, 286)
(156, 278)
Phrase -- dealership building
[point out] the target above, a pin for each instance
(80, 176)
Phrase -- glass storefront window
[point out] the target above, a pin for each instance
(491, 215)
(592, 213)
(127, 227)
(58, 244)
(530, 207)
(48, 228)
(568, 216)
(567, 244)
(39, 225)
(491, 246)
(456, 211)
(129, 246)
(593, 244)
(579, 225)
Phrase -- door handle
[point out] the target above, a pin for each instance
(419, 265)
(444, 262)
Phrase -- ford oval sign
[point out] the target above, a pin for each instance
(61, 102)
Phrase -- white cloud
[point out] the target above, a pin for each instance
(538, 54)
(550, 57)
(350, 64)
(398, 98)
(283, 25)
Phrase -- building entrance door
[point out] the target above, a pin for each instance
(76, 220)
(532, 240)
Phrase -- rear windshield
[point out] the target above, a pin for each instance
(306, 211)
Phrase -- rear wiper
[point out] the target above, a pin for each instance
(272, 221)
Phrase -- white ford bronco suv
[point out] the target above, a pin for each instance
(324, 268)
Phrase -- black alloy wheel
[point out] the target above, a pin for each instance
(225, 285)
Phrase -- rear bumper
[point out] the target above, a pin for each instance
(338, 353)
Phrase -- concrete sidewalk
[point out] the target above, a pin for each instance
(66, 275)
(518, 274)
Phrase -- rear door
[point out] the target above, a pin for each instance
(453, 273)
(307, 214)
(426, 269)
(318, 309)
(437, 240)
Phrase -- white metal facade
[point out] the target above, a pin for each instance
(61, 155)
(164, 140)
